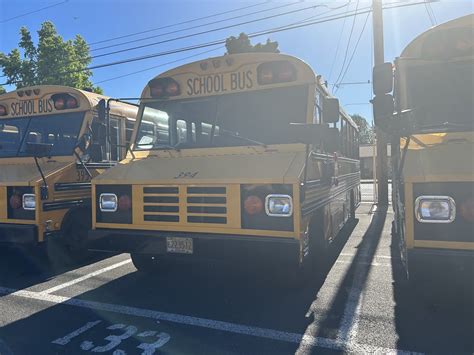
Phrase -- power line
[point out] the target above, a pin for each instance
(265, 32)
(195, 55)
(348, 43)
(180, 23)
(33, 12)
(208, 31)
(159, 65)
(429, 14)
(339, 42)
(192, 27)
(354, 51)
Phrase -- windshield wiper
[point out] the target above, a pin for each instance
(232, 134)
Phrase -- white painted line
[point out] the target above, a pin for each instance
(66, 339)
(85, 277)
(363, 263)
(278, 335)
(375, 256)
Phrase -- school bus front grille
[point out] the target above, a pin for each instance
(161, 204)
(191, 205)
(206, 205)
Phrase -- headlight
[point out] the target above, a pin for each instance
(435, 209)
(279, 205)
(29, 202)
(108, 202)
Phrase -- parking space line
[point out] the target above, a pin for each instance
(85, 277)
(272, 334)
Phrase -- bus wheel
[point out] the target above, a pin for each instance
(144, 263)
(318, 243)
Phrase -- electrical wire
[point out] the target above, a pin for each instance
(32, 12)
(179, 23)
(338, 43)
(353, 52)
(348, 43)
(214, 43)
(193, 27)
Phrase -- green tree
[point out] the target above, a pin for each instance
(52, 61)
(2, 90)
(242, 44)
(366, 131)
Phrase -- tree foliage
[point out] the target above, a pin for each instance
(366, 132)
(51, 61)
(242, 44)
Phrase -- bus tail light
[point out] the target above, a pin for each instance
(15, 201)
(164, 87)
(3, 110)
(276, 72)
(124, 203)
(466, 210)
(253, 205)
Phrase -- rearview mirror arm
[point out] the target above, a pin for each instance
(82, 163)
(44, 190)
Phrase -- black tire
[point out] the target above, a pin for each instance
(144, 263)
(318, 245)
(71, 248)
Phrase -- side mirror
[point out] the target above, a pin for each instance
(39, 150)
(330, 110)
(84, 143)
(383, 109)
(96, 152)
(101, 112)
(382, 78)
(307, 133)
(99, 132)
(331, 140)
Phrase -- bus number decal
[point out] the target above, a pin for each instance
(186, 174)
(211, 84)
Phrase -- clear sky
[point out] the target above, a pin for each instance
(323, 46)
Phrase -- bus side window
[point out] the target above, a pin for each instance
(317, 108)
(129, 124)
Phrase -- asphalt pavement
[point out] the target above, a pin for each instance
(358, 303)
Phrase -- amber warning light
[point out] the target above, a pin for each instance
(164, 87)
(64, 101)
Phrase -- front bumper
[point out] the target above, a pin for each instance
(443, 259)
(18, 233)
(232, 248)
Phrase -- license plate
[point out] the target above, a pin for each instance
(179, 245)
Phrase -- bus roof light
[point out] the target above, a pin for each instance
(59, 103)
(276, 72)
(20, 93)
(164, 87)
(28, 92)
(71, 102)
(3, 110)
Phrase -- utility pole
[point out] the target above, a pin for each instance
(381, 165)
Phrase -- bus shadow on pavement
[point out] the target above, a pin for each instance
(24, 268)
(436, 313)
(236, 294)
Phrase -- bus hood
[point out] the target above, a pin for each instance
(444, 156)
(261, 167)
(26, 173)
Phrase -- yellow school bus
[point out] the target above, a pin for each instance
(432, 146)
(52, 142)
(242, 157)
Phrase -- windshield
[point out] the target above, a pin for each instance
(60, 130)
(439, 94)
(258, 117)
